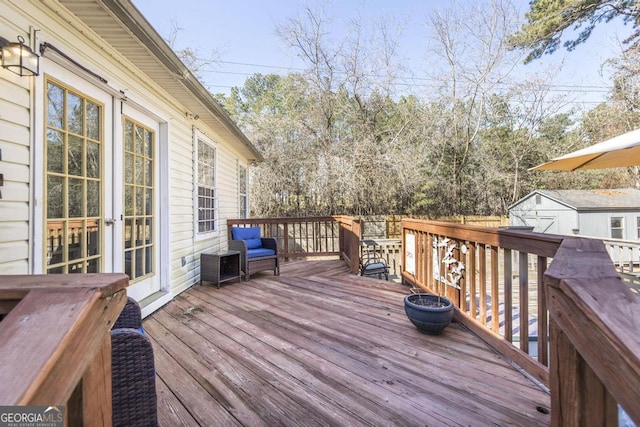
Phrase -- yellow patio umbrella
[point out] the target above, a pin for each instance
(621, 151)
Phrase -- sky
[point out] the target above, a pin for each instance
(241, 34)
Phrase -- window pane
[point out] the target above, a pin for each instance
(128, 263)
(76, 268)
(93, 237)
(55, 242)
(93, 198)
(149, 230)
(128, 233)
(139, 168)
(139, 135)
(148, 173)
(55, 151)
(93, 160)
(139, 269)
(55, 106)
(148, 202)
(74, 245)
(128, 135)
(141, 237)
(148, 144)
(75, 156)
(139, 201)
(93, 266)
(148, 260)
(128, 200)
(128, 168)
(75, 116)
(55, 201)
(616, 222)
(93, 121)
(75, 198)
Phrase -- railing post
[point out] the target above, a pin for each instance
(286, 241)
(578, 397)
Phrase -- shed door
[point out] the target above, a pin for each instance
(546, 224)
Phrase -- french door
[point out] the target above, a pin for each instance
(76, 179)
(100, 184)
(139, 231)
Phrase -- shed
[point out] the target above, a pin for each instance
(609, 214)
(114, 157)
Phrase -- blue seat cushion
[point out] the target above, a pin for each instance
(260, 252)
(245, 233)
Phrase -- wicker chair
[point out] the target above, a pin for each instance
(256, 253)
(133, 371)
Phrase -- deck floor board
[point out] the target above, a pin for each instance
(250, 353)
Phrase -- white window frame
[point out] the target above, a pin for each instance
(244, 194)
(621, 228)
(197, 137)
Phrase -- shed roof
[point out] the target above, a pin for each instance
(121, 25)
(601, 200)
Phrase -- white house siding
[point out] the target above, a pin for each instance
(64, 30)
(15, 118)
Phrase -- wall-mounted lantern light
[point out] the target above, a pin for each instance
(19, 58)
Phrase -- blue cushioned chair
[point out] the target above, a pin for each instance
(256, 253)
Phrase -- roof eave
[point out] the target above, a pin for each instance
(129, 15)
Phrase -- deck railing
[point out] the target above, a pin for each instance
(595, 347)
(309, 237)
(56, 345)
(588, 320)
(476, 268)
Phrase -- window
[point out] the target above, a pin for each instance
(638, 226)
(207, 214)
(617, 227)
(74, 185)
(243, 199)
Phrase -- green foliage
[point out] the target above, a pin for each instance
(335, 140)
(548, 20)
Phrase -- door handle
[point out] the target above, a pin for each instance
(109, 221)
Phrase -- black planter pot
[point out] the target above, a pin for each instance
(428, 319)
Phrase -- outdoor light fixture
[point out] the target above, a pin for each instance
(19, 58)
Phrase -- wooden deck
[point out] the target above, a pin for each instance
(306, 349)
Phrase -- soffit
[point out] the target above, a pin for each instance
(123, 27)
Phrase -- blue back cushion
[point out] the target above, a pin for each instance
(253, 243)
(251, 236)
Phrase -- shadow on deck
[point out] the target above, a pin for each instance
(306, 348)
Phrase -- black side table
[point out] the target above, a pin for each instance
(220, 267)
